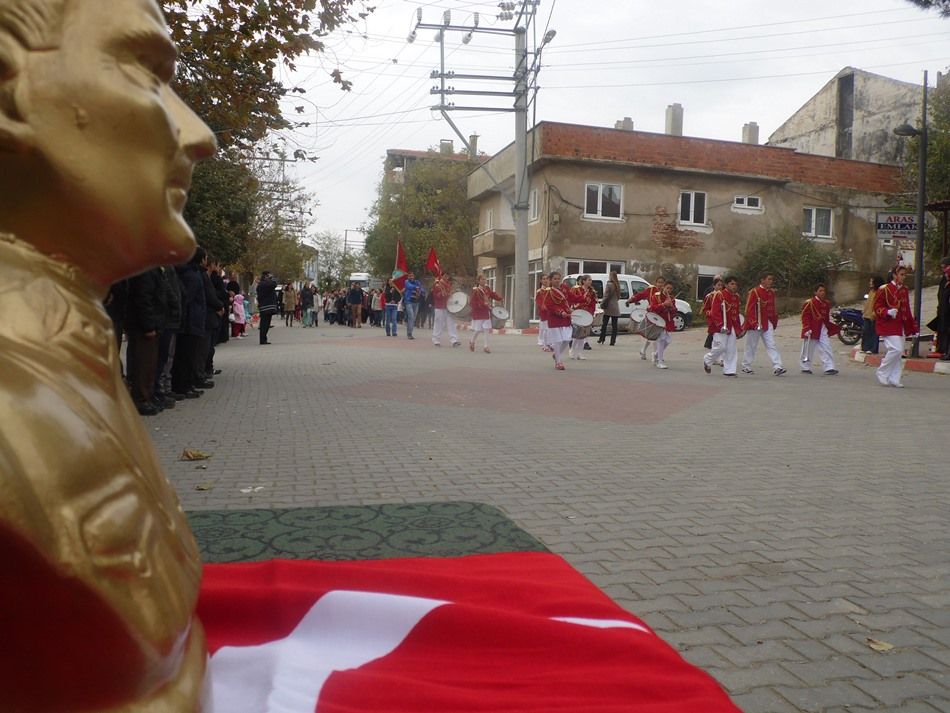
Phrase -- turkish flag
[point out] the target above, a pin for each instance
(432, 263)
(504, 632)
(401, 269)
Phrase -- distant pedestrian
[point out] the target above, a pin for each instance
(869, 339)
(942, 322)
(413, 293)
(290, 303)
(611, 306)
(239, 319)
(354, 301)
(390, 302)
(266, 303)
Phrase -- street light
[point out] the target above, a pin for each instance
(908, 130)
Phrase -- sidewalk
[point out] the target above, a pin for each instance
(923, 364)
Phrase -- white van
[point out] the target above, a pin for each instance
(631, 285)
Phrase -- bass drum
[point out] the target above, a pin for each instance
(581, 321)
(458, 306)
(651, 327)
(499, 317)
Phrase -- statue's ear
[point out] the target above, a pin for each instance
(15, 133)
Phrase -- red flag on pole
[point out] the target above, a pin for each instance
(432, 264)
(401, 269)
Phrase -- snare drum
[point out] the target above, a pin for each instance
(581, 321)
(651, 327)
(458, 306)
(499, 317)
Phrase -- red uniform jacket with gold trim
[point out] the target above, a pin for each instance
(481, 302)
(760, 304)
(817, 312)
(583, 298)
(731, 312)
(441, 291)
(894, 296)
(558, 308)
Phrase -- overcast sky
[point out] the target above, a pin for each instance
(727, 62)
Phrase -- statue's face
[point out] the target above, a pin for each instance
(118, 141)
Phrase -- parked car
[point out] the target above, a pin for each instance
(631, 285)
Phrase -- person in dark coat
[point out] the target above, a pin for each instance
(184, 376)
(166, 342)
(266, 303)
(144, 320)
(115, 303)
(943, 311)
(213, 311)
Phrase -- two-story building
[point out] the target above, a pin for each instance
(613, 199)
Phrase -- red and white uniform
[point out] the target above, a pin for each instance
(761, 320)
(893, 321)
(558, 307)
(651, 295)
(442, 321)
(665, 307)
(542, 316)
(724, 325)
(818, 328)
(586, 299)
(481, 300)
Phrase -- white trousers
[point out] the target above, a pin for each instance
(481, 326)
(824, 351)
(889, 372)
(662, 342)
(646, 345)
(443, 321)
(724, 349)
(752, 344)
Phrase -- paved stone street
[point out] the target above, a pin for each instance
(767, 527)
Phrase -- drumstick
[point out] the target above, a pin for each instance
(805, 342)
(724, 314)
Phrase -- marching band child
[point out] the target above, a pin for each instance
(581, 296)
(543, 341)
(481, 300)
(724, 326)
(894, 322)
(558, 308)
(817, 327)
(761, 319)
(666, 308)
(653, 296)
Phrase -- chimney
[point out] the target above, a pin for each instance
(627, 124)
(446, 147)
(750, 133)
(674, 120)
(473, 146)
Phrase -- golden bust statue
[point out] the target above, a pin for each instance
(100, 571)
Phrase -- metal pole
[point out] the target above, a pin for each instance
(921, 215)
(521, 302)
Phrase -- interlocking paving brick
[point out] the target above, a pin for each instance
(644, 479)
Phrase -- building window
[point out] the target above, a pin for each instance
(534, 281)
(489, 219)
(750, 202)
(693, 207)
(534, 208)
(816, 223)
(593, 267)
(604, 200)
(490, 278)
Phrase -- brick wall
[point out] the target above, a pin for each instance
(637, 147)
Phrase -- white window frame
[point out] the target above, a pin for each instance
(600, 202)
(692, 208)
(534, 206)
(742, 204)
(490, 273)
(584, 268)
(489, 219)
(813, 213)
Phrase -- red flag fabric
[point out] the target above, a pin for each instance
(516, 632)
(432, 264)
(402, 267)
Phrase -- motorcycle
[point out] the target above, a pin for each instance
(851, 323)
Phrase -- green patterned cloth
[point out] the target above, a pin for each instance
(447, 529)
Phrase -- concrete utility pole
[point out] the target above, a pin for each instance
(521, 301)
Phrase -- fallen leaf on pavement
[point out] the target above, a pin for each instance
(204, 486)
(879, 645)
(255, 489)
(194, 454)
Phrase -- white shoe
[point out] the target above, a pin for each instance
(661, 365)
(581, 357)
(898, 385)
(747, 370)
